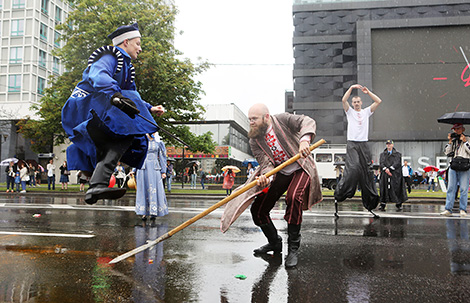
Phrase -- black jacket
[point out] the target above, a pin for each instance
(396, 192)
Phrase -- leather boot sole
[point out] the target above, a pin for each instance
(95, 194)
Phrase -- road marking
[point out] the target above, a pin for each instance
(45, 234)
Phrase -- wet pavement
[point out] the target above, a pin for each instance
(57, 249)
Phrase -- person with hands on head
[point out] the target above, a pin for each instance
(100, 115)
(458, 149)
(358, 156)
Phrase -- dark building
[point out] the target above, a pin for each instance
(409, 52)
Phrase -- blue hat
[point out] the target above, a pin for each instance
(124, 32)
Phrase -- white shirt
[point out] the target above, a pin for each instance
(405, 171)
(50, 169)
(358, 124)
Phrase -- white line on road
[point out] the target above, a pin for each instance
(45, 234)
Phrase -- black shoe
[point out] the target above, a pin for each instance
(399, 207)
(382, 207)
(274, 247)
(96, 193)
(291, 259)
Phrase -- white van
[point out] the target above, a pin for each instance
(325, 157)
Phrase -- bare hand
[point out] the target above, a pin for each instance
(365, 90)
(357, 86)
(262, 181)
(158, 110)
(304, 150)
(163, 176)
(388, 172)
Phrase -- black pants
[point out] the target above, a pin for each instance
(408, 183)
(357, 171)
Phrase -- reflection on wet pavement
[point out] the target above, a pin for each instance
(413, 256)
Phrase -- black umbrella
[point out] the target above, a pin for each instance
(455, 117)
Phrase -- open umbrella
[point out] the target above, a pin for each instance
(455, 117)
(190, 163)
(252, 161)
(232, 167)
(6, 162)
(430, 167)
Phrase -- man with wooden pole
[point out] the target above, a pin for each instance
(274, 139)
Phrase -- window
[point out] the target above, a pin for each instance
(324, 158)
(42, 58)
(43, 32)
(14, 83)
(44, 6)
(340, 158)
(41, 85)
(18, 4)
(56, 39)
(58, 14)
(17, 27)
(56, 65)
(16, 54)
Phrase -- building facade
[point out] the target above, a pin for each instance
(411, 53)
(27, 39)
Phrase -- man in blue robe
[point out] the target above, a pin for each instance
(100, 115)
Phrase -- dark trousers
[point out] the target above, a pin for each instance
(297, 186)
(357, 172)
(408, 183)
(51, 181)
(10, 182)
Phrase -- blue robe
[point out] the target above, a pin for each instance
(109, 71)
(150, 197)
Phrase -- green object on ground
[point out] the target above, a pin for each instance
(241, 277)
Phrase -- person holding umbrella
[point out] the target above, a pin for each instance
(458, 149)
(229, 179)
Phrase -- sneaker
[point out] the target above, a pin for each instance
(446, 213)
(23, 191)
(463, 213)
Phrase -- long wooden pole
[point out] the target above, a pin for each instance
(210, 209)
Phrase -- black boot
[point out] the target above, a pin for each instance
(274, 240)
(100, 179)
(293, 245)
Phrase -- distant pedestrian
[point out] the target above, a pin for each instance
(229, 179)
(32, 175)
(169, 174)
(120, 174)
(82, 179)
(407, 172)
(64, 175)
(24, 176)
(249, 170)
(17, 181)
(50, 175)
(11, 173)
(203, 178)
(432, 180)
(193, 173)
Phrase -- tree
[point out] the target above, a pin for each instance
(161, 76)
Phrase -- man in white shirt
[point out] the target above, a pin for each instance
(407, 172)
(358, 156)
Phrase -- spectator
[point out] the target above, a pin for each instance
(432, 180)
(203, 178)
(250, 170)
(407, 173)
(24, 176)
(193, 172)
(32, 175)
(120, 174)
(229, 179)
(50, 175)
(64, 175)
(169, 174)
(17, 181)
(82, 179)
(38, 176)
(11, 173)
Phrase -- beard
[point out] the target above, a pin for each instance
(258, 131)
